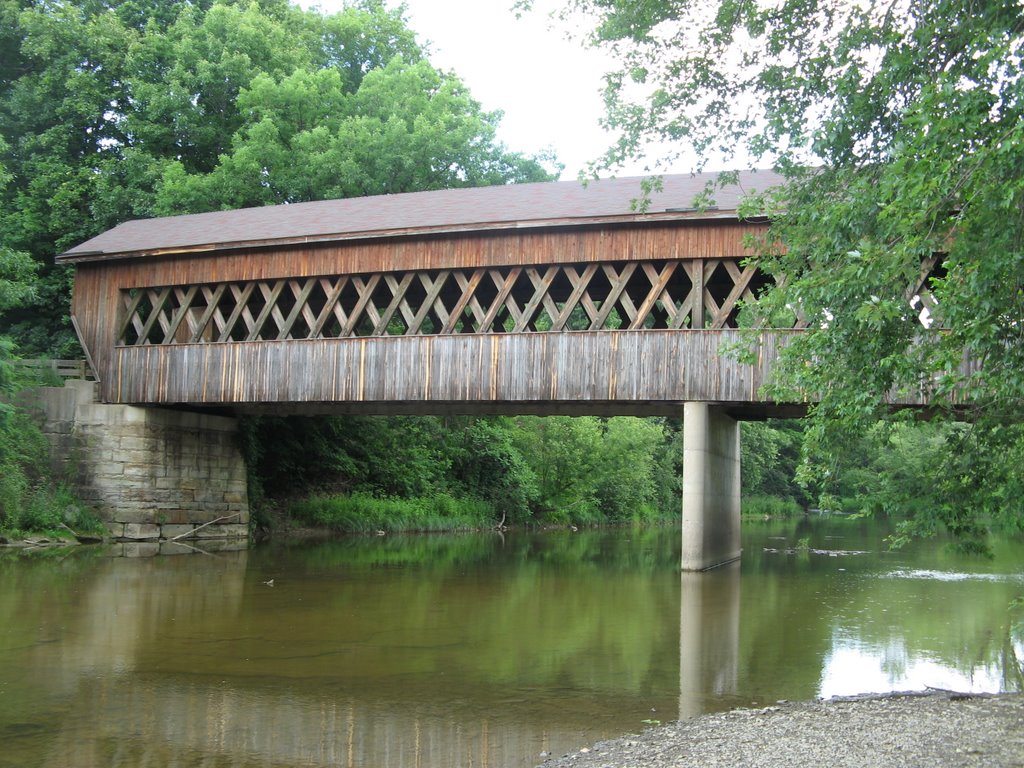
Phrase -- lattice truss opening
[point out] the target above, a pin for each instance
(624, 295)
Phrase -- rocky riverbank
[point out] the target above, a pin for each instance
(909, 731)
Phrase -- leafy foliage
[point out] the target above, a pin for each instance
(134, 108)
(364, 513)
(899, 128)
(526, 470)
(127, 109)
(31, 499)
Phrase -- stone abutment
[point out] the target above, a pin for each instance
(150, 473)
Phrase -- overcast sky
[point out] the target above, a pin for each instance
(548, 86)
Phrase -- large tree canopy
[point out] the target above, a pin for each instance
(119, 109)
(899, 125)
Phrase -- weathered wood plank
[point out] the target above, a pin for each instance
(578, 367)
(618, 281)
(398, 290)
(184, 304)
(270, 298)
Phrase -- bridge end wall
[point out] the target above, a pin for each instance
(150, 473)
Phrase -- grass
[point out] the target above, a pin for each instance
(46, 510)
(770, 506)
(365, 513)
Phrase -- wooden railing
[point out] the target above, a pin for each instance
(64, 369)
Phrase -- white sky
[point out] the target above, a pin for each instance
(547, 86)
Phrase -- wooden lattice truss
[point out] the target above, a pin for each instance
(625, 295)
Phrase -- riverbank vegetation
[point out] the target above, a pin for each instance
(125, 110)
(32, 499)
(369, 474)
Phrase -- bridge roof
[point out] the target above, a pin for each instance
(479, 209)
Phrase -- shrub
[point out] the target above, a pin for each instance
(365, 513)
(770, 506)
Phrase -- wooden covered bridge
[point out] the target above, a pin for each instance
(539, 298)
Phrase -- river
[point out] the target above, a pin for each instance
(473, 650)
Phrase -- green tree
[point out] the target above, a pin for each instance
(593, 470)
(562, 452)
(630, 468)
(899, 128)
(487, 465)
(132, 108)
(17, 269)
(769, 458)
(304, 137)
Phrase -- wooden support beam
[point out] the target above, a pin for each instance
(241, 297)
(301, 297)
(453, 300)
(130, 303)
(365, 289)
(657, 293)
(504, 283)
(541, 286)
(432, 288)
(579, 286)
(270, 299)
(332, 291)
(212, 298)
(184, 302)
(157, 299)
(618, 285)
(740, 288)
(398, 290)
(468, 287)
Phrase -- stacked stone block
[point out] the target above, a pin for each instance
(151, 473)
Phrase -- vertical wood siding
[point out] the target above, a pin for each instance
(596, 367)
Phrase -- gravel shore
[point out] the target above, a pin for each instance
(903, 730)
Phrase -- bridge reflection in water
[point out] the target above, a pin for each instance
(166, 661)
(474, 652)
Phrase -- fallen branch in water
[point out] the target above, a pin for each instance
(194, 549)
(200, 527)
(83, 538)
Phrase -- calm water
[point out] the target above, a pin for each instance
(473, 650)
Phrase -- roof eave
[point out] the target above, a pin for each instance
(688, 216)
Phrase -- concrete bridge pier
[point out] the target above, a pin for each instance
(711, 487)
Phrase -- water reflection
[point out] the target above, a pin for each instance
(475, 650)
(709, 638)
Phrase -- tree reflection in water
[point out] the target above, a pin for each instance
(478, 649)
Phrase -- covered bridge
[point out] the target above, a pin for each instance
(543, 298)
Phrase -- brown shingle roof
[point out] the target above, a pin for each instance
(561, 203)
